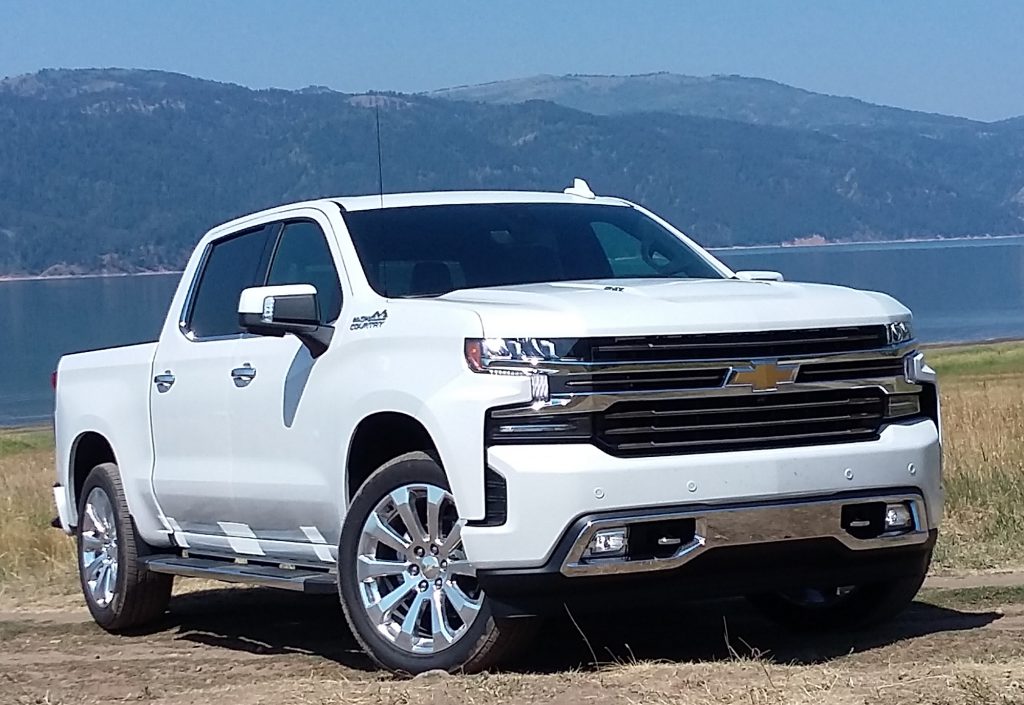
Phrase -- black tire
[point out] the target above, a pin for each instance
(825, 609)
(139, 596)
(486, 641)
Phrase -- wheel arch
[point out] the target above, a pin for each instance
(88, 450)
(380, 437)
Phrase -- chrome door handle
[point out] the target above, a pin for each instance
(163, 382)
(243, 375)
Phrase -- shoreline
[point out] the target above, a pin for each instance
(879, 243)
(32, 426)
(52, 277)
(728, 248)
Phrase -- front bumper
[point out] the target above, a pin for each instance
(551, 487)
(725, 572)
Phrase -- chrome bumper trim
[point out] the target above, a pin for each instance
(575, 367)
(738, 526)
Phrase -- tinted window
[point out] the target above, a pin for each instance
(303, 257)
(430, 250)
(625, 251)
(232, 265)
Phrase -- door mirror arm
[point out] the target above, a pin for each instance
(278, 310)
(317, 341)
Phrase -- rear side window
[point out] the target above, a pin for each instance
(233, 264)
(303, 257)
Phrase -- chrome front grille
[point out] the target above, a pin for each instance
(872, 368)
(684, 394)
(639, 381)
(732, 346)
(740, 422)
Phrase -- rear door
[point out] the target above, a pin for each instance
(287, 473)
(192, 386)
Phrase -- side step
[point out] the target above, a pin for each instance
(300, 579)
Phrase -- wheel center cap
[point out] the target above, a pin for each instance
(431, 567)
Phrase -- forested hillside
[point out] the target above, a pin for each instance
(122, 170)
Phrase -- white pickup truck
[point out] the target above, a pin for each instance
(462, 410)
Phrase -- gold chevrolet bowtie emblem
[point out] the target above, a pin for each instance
(763, 376)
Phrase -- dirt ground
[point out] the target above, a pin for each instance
(239, 645)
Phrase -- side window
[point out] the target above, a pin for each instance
(303, 257)
(233, 264)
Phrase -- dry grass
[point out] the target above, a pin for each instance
(31, 552)
(974, 360)
(751, 681)
(983, 426)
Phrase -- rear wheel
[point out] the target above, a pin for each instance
(121, 594)
(409, 593)
(848, 607)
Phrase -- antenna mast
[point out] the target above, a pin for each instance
(380, 168)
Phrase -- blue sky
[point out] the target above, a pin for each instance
(963, 58)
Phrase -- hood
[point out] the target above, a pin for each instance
(660, 306)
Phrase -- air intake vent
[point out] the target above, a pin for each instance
(495, 500)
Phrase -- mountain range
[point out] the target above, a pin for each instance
(114, 170)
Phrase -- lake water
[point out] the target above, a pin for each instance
(958, 290)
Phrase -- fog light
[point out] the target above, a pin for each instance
(607, 543)
(898, 517)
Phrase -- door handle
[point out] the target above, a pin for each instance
(163, 382)
(243, 375)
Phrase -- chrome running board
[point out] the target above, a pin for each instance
(298, 579)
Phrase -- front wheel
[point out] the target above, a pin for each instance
(408, 591)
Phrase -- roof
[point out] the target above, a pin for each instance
(425, 198)
(438, 198)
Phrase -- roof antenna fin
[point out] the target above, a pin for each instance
(580, 188)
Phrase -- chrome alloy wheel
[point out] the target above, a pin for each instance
(416, 585)
(98, 547)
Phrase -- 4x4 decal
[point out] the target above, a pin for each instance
(375, 320)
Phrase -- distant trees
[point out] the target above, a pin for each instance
(127, 174)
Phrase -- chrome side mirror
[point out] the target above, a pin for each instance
(291, 308)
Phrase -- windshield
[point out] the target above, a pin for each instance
(432, 250)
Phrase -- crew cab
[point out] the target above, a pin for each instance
(465, 410)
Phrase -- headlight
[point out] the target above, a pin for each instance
(514, 356)
(899, 332)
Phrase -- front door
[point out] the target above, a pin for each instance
(288, 473)
(192, 387)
